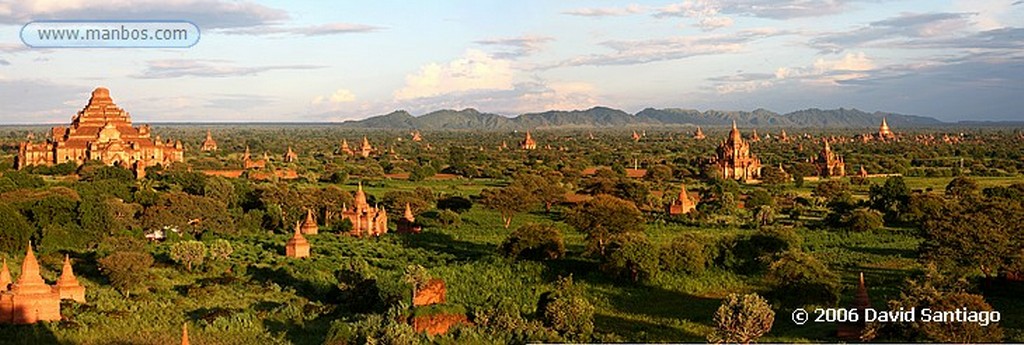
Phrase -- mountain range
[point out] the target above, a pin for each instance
(603, 117)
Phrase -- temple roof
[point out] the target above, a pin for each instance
(29, 280)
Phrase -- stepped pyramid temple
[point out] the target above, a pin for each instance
(528, 142)
(249, 163)
(101, 131)
(345, 149)
(297, 246)
(683, 204)
(309, 226)
(734, 158)
(366, 220)
(699, 134)
(209, 144)
(30, 299)
(830, 164)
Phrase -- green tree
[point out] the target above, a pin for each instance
(508, 201)
(798, 279)
(686, 253)
(631, 256)
(603, 217)
(127, 271)
(830, 190)
(659, 173)
(890, 198)
(742, 319)
(189, 253)
(15, 231)
(863, 220)
(534, 242)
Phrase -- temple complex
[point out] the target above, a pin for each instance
(683, 204)
(366, 220)
(309, 226)
(67, 285)
(416, 136)
(828, 163)
(104, 132)
(783, 137)
(861, 302)
(699, 134)
(209, 144)
(29, 299)
(290, 156)
(735, 159)
(528, 143)
(297, 246)
(407, 224)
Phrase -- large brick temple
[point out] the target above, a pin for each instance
(101, 131)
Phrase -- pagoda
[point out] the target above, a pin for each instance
(29, 299)
(290, 156)
(699, 134)
(345, 149)
(209, 144)
(365, 149)
(734, 158)
(683, 204)
(101, 131)
(309, 226)
(861, 302)
(884, 132)
(297, 246)
(67, 285)
(366, 220)
(416, 136)
(5, 278)
(528, 143)
(248, 163)
(407, 224)
(636, 137)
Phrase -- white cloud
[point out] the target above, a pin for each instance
(476, 70)
(339, 96)
(208, 14)
(706, 12)
(832, 72)
(605, 11)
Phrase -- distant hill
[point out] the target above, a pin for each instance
(601, 117)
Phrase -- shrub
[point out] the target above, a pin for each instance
(534, 242)
(458, 204)
(449, 219)
(566, 310)
(742, 319)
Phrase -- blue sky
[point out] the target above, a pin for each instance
(333, 61)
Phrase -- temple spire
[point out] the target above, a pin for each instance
(5, 277)
(184, 334)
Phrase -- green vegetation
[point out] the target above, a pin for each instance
(532, 248)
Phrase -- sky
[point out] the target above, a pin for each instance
(313, 61)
